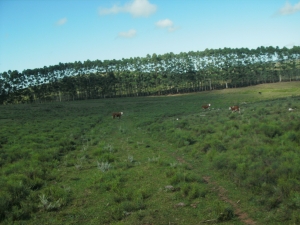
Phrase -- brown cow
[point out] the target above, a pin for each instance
(235, 108)
(206, 106)
(117, 114)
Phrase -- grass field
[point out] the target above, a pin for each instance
(166, 161)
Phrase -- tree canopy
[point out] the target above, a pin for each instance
(151, 75)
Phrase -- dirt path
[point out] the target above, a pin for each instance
(243, 216)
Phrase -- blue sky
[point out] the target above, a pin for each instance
(38, 33)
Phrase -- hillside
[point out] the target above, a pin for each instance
(166, 161)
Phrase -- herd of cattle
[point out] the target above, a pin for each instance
(234, 108)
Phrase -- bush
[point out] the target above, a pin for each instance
(219, 146)
(53, 198)
(220, 161)
(182, 124)
(226, 215)
(194, 192)
(66, 146)
(107, 157)
(271, 130)
(5, 203)
(177, 178)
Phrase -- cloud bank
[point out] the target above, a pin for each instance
(137, 8)
(288, 9)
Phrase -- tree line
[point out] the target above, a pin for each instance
(151, 75)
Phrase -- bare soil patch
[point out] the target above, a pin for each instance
(243, 216)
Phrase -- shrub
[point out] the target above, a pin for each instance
(107, 157)
(143, 194)
(242, 170)
(206, 147)
(177, 178)
(16, 185)
(226, 215)
(170, 172)
(66, 146)
(219, 146)
(271, 130)
(220, 161)
(295, 217)
(5, 203)
(185, 189)
(294, 200)
(193, 177)
(182, 124)
(207, 130)
(194, 192)
(182, 138)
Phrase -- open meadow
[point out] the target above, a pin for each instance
(166, 161)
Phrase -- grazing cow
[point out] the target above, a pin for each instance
(117, 114)
(259, 93)
(206, 106)
(290, 109)
(235, 108)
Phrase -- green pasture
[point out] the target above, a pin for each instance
(71, 163)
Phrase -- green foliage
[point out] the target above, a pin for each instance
(226, 215)
(254, 154)
(107, 157)
(271, 130)
(220, 161)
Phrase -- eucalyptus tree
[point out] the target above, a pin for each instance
(173, 78)
(124, 77)
(3, 92)
(294, 60)
(156, 68)
(292, 63)
(167, 73)
(283, 65)
(226, 66)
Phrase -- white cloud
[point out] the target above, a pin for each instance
(127, 34)
(113, 10)
(136, 8)
(289, 9)
(166, 23)
(61, 22)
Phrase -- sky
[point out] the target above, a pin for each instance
(38, 33)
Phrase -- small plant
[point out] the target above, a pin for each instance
(108, 148)
(47, 205)
(130, 158)
(226, 215)
(174, 164)
(107, 157)
(84, 148)
(122, 130)
(103, 166)
(194, 192)
(154, 159)
(78, 164)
